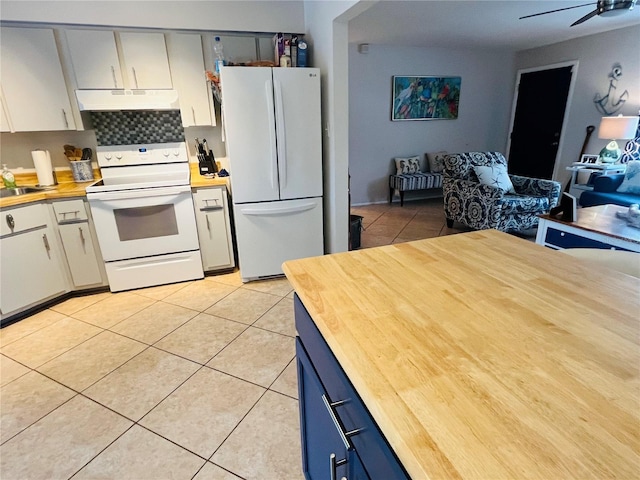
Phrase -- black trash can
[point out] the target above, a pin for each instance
(355, 230)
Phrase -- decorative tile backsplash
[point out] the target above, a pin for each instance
(137, 127)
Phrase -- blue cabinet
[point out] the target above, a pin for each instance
(333, 418)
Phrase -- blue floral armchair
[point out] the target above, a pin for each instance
(481, 206)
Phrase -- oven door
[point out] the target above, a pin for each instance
(143, 222)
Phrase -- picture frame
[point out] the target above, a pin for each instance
(425, 98)
(587, 158)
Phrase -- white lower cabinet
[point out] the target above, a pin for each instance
(214, 228)
(82, 256)
(30, 271)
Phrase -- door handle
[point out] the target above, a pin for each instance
(82, 240)
(135, 78)
(113, 74)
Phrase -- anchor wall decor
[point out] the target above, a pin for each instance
(611, 102)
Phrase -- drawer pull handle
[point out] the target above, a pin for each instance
(343, 435)
(334, 464)
(64, 214)
(10, 222)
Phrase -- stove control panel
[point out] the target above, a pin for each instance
(127, 155)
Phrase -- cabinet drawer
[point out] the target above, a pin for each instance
(19, 219)
(377, 456)
(69, 211)
(210, 198)
(569, 240)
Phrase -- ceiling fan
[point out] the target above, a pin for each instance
(603, 7)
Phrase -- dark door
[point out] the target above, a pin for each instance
(537, 124)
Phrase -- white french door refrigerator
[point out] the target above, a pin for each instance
(274, 144)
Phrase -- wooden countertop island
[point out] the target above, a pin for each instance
(485, 356)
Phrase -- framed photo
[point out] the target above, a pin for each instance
(589, 159)
(425, 98)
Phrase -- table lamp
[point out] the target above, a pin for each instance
(615, 128)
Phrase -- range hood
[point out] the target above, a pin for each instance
(112, 100)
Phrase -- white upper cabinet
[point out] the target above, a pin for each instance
(188, 71)
(145, 60)
(95, 59)
(35, 93)
(142, 63)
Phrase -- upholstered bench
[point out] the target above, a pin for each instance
(413, 181)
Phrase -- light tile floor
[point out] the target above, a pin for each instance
(385, 223)
(195, 380)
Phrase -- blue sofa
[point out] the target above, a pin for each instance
(604, 192)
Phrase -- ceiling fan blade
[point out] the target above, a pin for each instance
(585, 18)
(558, 10)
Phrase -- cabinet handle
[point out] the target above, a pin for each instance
(343, 435)
(193, 114)
(334, 464)
(135, 78)
(10, 222)
(64, 214)
(66, 122)
(84, 247)
(208, 225)
(46, 245)
(113, 74)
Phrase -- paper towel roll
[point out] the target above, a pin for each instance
(44, 170)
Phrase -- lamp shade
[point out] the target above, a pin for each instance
(618, 128)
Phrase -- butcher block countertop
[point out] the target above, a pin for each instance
(67, 188)
(485, 356)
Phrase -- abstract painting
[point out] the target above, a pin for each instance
(425, 98)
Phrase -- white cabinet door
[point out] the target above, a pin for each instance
(80, 253)
(31, 271)
(145, 59)
(214, 228)
(32, 81)
(187, 70)
(95, 59)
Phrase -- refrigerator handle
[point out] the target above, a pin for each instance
(280, 134)
(268, 90)
(277, 210)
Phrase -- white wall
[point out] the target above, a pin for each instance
(328, 31)
(486, 95)
(595, 54)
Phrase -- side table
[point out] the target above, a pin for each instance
(576, 188)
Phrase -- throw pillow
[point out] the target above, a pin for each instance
(436, 161)
(405, 165)
(631, 181)
(494, 176)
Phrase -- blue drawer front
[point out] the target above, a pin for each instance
(569, 240)
(377, 456)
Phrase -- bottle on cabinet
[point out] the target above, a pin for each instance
(7, 177)
(218, 52)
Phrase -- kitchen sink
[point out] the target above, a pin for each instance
(12, 192)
